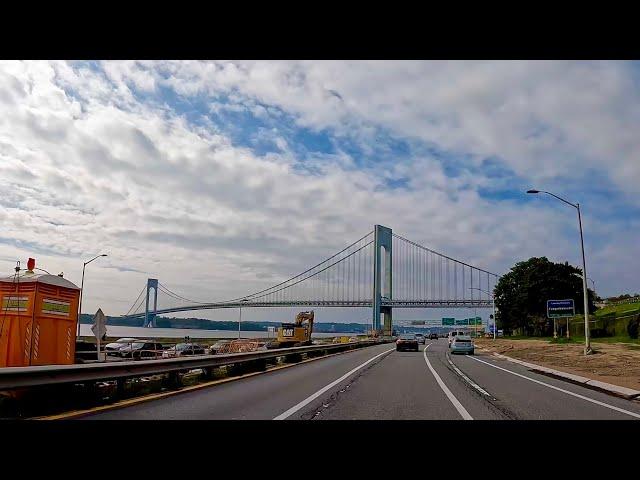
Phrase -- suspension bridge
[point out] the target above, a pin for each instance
(381, 270)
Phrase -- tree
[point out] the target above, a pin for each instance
(521, 295)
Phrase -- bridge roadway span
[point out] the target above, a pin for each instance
(380, 383)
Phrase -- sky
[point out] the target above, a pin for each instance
(221, 178)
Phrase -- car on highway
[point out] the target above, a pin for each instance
(407, 341)
(462, 344)
(141, 349)
(453, 335)
(113, 347)
(421, 338)
(433, 336)
(184, 350)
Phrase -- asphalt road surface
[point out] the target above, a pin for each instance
(379, 383)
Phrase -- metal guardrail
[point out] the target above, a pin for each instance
(20, 377)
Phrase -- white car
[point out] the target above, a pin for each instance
(113, 347)
(453, 334)
(421, 338)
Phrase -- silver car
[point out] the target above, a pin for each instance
(462, 344)
(113, 347)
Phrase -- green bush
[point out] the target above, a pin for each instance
(599, 333)
(633, 327)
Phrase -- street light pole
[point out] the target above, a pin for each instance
(594, 291)
(82, 289)
(240, 319)
(585, 294)
(587, 342)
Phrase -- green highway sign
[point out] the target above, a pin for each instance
(475, 321)
(464, 321)
(448, 321)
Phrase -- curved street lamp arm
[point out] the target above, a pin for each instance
(97, 256)
(561, 199)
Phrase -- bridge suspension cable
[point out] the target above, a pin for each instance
(135, 306)
(422, 274)
(316, 269)
(172, 294)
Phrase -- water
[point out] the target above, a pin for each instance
(139, 332)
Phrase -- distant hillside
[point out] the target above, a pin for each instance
(204, 324)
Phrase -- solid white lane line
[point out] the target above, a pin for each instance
(602, 404)
(461, 410)
(311, 398)
(467, 379)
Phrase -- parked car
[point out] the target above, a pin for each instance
(433, 336)
(221, 346)
(420, 337)
(113, 347)
(462, 344)
(407, 341)
(183, 350)
(141, 349)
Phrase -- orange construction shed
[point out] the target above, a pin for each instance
(38, 320)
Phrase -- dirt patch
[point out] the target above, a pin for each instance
(612, 363)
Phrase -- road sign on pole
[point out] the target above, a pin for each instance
(448, 321)
(99, 328)
(560, 308)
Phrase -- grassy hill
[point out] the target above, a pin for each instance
(611, 321)
(619, 310)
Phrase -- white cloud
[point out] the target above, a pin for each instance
(86, 167)
(543, 119)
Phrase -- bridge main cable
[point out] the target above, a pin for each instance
(443, 255)
(300, 274)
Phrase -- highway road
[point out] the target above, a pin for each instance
(380, 383)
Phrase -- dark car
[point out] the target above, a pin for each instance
(433, 336)
(85, 351)
(141, 349)
(407, 341)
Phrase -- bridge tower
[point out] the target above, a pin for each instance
(382, 277)
(150, 316)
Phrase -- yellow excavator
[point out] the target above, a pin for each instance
(295, 334)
